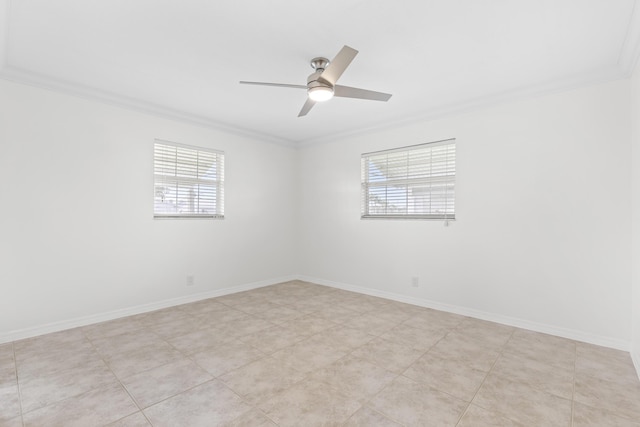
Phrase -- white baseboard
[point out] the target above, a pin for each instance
(130, 311)
(465, 311)
(478, 314)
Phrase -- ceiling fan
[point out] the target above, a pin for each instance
(321, 85)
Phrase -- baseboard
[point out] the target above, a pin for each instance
(478, 314)
(130, 311)
(465, 311)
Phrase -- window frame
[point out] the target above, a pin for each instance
(218, 182)
(365, 183)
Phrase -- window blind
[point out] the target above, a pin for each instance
(188, 181)
(410, 182)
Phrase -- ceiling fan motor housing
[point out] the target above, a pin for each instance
(319, 89)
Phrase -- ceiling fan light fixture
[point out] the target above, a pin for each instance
(320, 93)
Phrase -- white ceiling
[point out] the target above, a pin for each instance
(185, 58)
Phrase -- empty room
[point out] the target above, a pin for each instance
(347, 213)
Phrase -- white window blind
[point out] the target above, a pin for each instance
(188, 181)
(410, 182)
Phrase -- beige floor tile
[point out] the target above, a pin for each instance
(239, 298)
(355, 377)
(391, 315)
(200, 340)
(166, 315)
(434, 319)
(220, 317)
(447, 375)
(587, 416)
(306, 306)
(94, 408)
(335, 313)
(134, 420)
(309, 355)
(232, 355)
(412, 310)
(370, 323)
(598, 353)
(487, 331)
(344, 338)
(522, 403)
(413, 404)
(467, 350)
(309, 403)
(388, 355)
(617, 397)
(279, 314)
(123, 343)
(331, 351)
(8, 372)
(45, 390)
(253, 418)
(418, 338)
(49, 364)
(284, 299)
(9, 400)
(549, 378)
(12, 422)
(42, 344)
(605, 363)
(112, 328)
(178, 326)
(478, 417)
(202, 307)
(543, 348)
(272, 339)
(139, 360)
(367, 417)
(309, 325)
(159, 383)
(245, 326)
(209, 404)
(257, 307)
(361, 305)
(262, 379)
(6, 354)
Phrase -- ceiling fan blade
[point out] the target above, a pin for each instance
(354, 92)
(273, 84)
(306, 107)
(338, 64)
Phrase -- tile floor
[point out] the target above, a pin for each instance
(298, 354)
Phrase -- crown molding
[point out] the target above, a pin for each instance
(627, 60)
(522, 93)
(630, 51)
(21, 76)
(17, 75)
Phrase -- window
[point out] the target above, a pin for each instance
(410, 182)
(188, 181)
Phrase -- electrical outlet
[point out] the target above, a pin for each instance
(191, 280)
(415, 281)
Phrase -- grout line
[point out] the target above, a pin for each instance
(15, 365)
(500, 353)
(135, 402)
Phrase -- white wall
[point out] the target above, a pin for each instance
(542, 236)
(77, 237)
(635, 199)
(543, 216)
